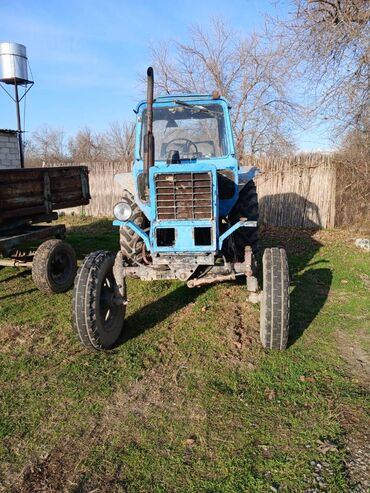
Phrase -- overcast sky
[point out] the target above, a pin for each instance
(86, 55)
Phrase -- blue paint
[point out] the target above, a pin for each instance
(228, 232)
(227, 162)
(184, 237)
(184, 234)
(184, 230)
(136, 229)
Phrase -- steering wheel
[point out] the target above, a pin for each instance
(188, 141)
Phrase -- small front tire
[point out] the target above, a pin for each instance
(98, 310)
(274, 317)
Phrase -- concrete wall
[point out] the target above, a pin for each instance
(9, 152)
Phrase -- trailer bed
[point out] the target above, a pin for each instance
(30, 195)
(31, 233)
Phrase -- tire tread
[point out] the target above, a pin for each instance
(85, 298)
(41, 259)
(274, 324)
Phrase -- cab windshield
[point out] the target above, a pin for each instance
(188, 132)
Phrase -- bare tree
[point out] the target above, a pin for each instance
(87, 146)
(253, 75)
(331, 38)
(46, 145)
(119, 140)
(353, 178)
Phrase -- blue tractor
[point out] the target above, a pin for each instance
(191, 214)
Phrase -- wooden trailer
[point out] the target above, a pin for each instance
(29, 199)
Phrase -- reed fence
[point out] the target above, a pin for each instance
(297, 191)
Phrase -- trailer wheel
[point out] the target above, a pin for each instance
(54, 266)
(274, 317)
(246, 207)
(132, 245)
(98, 313)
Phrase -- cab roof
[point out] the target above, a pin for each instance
(171, 98)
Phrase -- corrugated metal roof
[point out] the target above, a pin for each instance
(7, 131)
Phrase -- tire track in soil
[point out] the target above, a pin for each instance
(355, 421)
(241, 327)
(61, 470)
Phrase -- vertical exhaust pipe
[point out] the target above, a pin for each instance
(149, 137)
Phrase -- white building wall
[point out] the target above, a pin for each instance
(9, 151)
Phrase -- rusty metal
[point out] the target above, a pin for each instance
(248, 260)
(250, 269)
(184, 196)
(19, 124)
(14, 262)
(185, 259)
(184, 267)
(119, 276)
(149, 153)
(211, 280)
(145, 254)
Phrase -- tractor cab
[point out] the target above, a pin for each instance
(191, 133)
(187, 128)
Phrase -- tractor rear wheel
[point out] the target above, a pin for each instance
(98, 312)
(274, 316)
(132, 245)
(246, 207)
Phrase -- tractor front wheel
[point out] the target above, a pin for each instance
(98, 309)
(274, 316)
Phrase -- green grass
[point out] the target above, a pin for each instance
(189, 402)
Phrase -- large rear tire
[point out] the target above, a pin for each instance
(274, 316)
(132, 245)
(54, 266)
(98, 314)
(246, 207)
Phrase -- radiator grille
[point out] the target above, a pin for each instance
(182, 196)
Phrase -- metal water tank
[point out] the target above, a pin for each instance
(13, 63)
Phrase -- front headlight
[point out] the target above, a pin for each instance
(122, 211)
